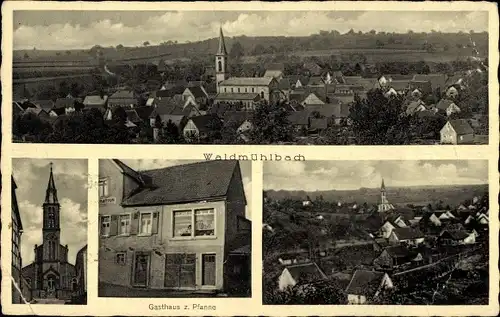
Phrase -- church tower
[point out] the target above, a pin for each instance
(384, 205)
(51, 230)
(221, 61)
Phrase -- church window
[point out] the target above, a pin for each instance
(232, 90)
(105, 225)
(238, 89)
(246, 89)
(121, 258)
(220, 66)
(146, 223)
(253, 89)
(51, 218)
(52, 249)
(103, 188)
(125, 224)
(262, 94)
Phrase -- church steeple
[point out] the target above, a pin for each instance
(384, 204)
(221, 61)
(51, 192)
(222, 44)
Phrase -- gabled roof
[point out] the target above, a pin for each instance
(365, 283)
(413, 106)
(95, 101)
(130, 172)
(461, 126)
(144, 112)
(276, 66)
(64, 103)
(46, 105)
(206, 123)
(123, 94)
(273, 73)
(443, 104)
(455, 234)
(399, 85)
(437, 80)
(247, 81)
(408, 233)
(306, 273)
(237, 116)
(197, 92)
(132, 116)
(185, 183)
(284, 84)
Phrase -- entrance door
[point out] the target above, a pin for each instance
(141, 269)
(208, 267)
(51, 286)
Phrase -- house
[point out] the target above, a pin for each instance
(196, 95)
(265, 87)
(423, 86)
(457, 237)
(445, 215)
(300, 274)
(447, 106)
(307, 203)
(452, 92)
(289, 259)
(122, 98)
(17, 262)
(457, 132)
(38, 112)
(314, 98)
(285, 87)
(200, 127)
(395, 256)
(241, 120)
(80, 294)
(482, 219)
(313, 69)
(438, 81)
(95, 101)
(406, 235)
(390, 224)
(46, 105)
(414, 107)
(275, 70)
(367, 285)
(181, 227)
(68, 104)
(299, 120)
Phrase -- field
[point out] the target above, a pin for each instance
(450, 195)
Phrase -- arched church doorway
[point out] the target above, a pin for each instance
(51, 285)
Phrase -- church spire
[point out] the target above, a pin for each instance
(383, 185)
(51, 193)
(222, 44)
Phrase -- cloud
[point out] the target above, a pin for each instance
(328, 175)
(112, 28)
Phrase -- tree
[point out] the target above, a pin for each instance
(271, 124)
(259, 49)
(68, 52)
(119, 46)
(237, 50)
(26, 56)
(379, 43)
(146, 43)
(171, 133)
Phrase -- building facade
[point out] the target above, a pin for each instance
(17, 263)
(51, 276)
(384, 205)
(169, 229)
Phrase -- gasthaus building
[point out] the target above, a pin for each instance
(180, 228)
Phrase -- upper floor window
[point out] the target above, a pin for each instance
(51, 218)
(105, 225)
(220, 65)
(194, 223)
(146, 223)
(103, 187)
(125, 224)
(262, 94)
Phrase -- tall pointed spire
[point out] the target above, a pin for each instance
(383, 185)
(51, 192)
(222, 44)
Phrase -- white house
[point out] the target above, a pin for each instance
(367, 285)
(406, 235)
(300, 274)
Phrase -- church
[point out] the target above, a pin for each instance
(51, 277)
(384, 205)
(247, 91)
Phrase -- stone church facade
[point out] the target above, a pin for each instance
(51, 276)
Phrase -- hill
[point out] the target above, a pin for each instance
(450, 195)
(424, 46)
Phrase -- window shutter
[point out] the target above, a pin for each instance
(154, 229)
(134, 223)
(113, 226)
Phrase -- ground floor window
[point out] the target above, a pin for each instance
(180, 270)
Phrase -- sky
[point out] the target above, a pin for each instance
(351, 175)
(84, 29)
(70, 177)
(245, 166)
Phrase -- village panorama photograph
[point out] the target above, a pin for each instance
(376, 233)
(250, 77)
(174, 229)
